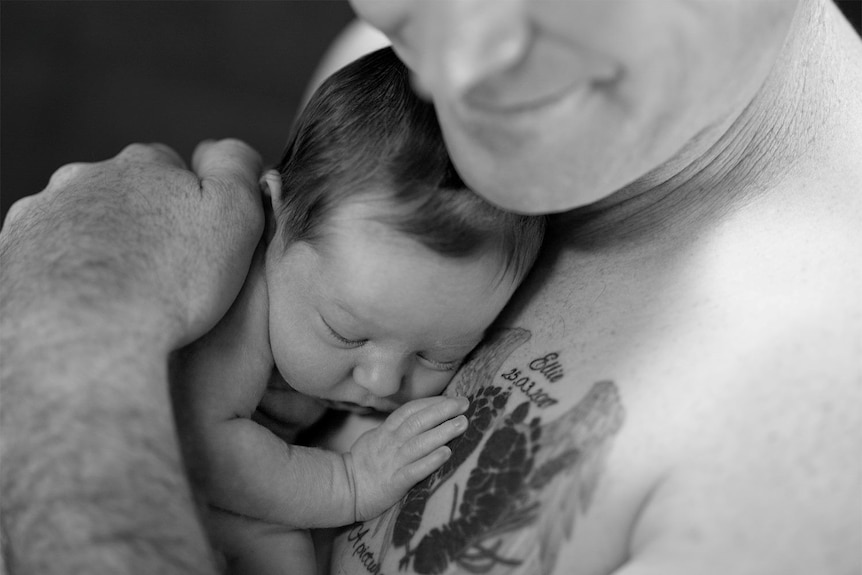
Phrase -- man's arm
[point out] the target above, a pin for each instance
(92, 478)
(103, 273)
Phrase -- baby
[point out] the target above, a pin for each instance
(379, 272)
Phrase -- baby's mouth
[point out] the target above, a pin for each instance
(348, 406)
(278, 384)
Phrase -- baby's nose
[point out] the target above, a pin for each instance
(382, 374)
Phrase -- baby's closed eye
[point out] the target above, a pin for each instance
(450, 365)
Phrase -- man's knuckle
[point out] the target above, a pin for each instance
(134, 149)
(235, 143)
(64, 175)
(17, 208)
(152, 152)
(413, 426)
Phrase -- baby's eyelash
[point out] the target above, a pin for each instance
(442, 365)
(341, 338)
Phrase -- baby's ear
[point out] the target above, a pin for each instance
(270, 185)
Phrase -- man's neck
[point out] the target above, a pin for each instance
(789, 123)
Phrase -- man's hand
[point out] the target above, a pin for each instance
(103, 273)
(405, 449)
(139, 236)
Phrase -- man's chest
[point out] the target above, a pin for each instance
(595, 387)
(530, 482)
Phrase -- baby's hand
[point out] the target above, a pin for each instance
(405, 449)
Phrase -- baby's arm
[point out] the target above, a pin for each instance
(246, 469)
(253, 473)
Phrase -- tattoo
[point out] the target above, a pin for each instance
(540, 397)
(361, 550)
(528, 479)
(549, 367)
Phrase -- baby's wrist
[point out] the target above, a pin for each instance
(350, 477)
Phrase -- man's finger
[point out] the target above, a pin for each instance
(154, 153)
(65, 174)
(229, 163)
(17, 208)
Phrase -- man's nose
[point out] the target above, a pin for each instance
(381, 372)
(461, 43)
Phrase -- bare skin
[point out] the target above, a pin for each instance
(93, 301)
(703, 413)
(718, 297)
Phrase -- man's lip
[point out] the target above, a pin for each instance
(490, 105)
(548, 73)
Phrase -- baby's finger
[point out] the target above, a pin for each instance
(415, 472)
(425, 443)
(421, 415)
(398, 416)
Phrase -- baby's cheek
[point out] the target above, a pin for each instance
(431, 384)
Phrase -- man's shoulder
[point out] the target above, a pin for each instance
(567, 456)
(642, 408)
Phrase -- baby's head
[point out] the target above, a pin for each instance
(383, 270)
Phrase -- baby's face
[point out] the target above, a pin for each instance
(370, 319)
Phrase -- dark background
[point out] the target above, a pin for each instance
(80, 80)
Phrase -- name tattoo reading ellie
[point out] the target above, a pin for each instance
(548, 367)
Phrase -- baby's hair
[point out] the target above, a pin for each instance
(365, 130)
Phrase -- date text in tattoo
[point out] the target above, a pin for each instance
(528, 387)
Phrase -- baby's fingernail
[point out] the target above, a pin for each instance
(463, 403)
(460, 423)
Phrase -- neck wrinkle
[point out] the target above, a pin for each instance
(750, 155)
